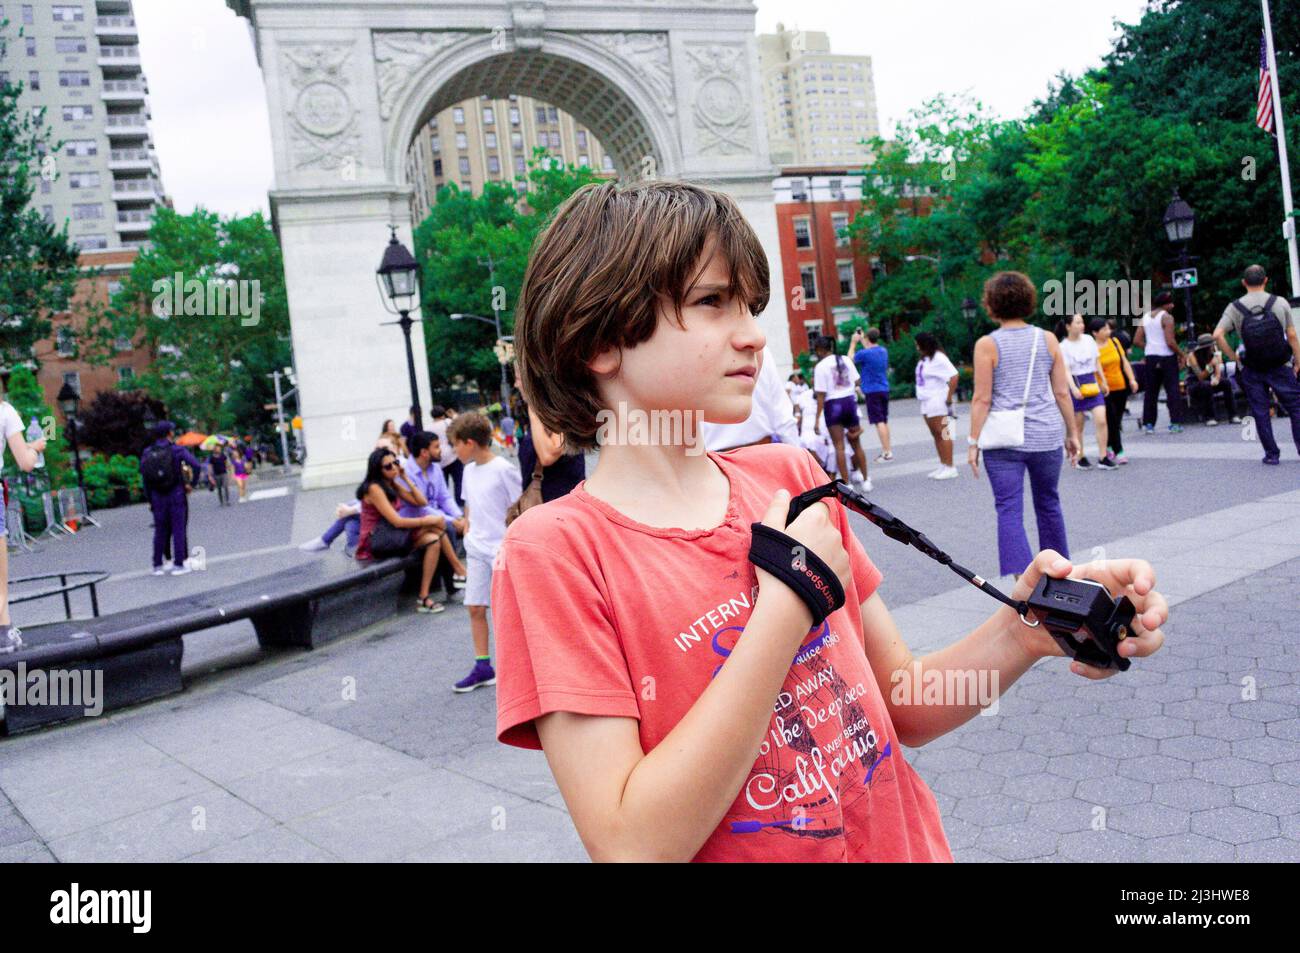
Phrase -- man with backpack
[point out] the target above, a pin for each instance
(1267, 330)
(164, 482)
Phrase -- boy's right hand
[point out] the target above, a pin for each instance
(816, 532)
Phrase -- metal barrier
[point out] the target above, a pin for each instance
(72, 506)
(16, 526)
(65, 587)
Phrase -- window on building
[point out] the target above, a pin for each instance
(122, 344)
(808, 278)
(77, 112)
(65, 342)
(437, 168)
(554, 139)
(74, 78)
(464, 165)
(516, 140)
(519, 165)
(514, 115)
(462, 142)
(584, 161)
(435, 144)
(69, 44)
(466, 185)
(30, 42)
(64, 13)
(814, 330)
(848, 288)
(73, 380)
(607, 163)
(490, 139)
(458, 116)
(91, 242)
(802, 233)
(489, 116)
(85, 210)
(840, 222)
(494, 165)
(29, 17)
(799, 190)
(81, 147)
(34, 79)
(83, 180)
(552, 114)
(836, 186)
(125, 373)
(47, 213)
(582, 138)
(541, 114)
(45, 186)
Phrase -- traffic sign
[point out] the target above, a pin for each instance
(1185, 278)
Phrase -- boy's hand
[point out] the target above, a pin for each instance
(816, 532)
(1122, 577)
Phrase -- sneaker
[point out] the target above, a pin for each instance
(481, 675)
(1273, 461)
(1083, 463)
(1107, 463)
(1236, 419)
(1212, 422)
(317, 545)
(11, 639)
(884, 457)
(159, 571)
(946, 473)
(1121, 458)
(181, 570)
(863, 486)
(1175, 428)
(1148, 429)
(935, 472)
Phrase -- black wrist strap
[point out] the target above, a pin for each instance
(802, 570)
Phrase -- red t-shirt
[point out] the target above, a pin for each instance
(598, 614)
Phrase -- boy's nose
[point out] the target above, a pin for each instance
(750, 335)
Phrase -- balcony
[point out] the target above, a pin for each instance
(130, 160)
(119, 56)
(136, 221)
(126, 124)
(137, 190)
(123, 91)
(116, 28)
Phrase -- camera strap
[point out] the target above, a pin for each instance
(802, 570)
(896, 529)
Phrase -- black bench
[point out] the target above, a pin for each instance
(139, 650)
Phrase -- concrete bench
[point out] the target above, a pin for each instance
(139, 651)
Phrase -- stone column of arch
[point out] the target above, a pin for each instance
(670, 90)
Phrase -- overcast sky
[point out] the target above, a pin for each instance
(213, 138)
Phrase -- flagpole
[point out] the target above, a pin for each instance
(1289, 226)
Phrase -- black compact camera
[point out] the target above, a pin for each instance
(1087, 622)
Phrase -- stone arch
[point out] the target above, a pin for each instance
(618, 85)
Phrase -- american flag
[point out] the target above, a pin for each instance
(1264, 101)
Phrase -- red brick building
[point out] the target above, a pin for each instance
(824, 273)
(55, 354)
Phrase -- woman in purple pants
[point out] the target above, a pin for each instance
(1021, 366)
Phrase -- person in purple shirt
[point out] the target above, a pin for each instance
(425, 473)
(164, 482)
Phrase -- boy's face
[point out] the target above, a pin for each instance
(464, 450)
(709, 363)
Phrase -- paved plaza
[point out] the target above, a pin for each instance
(360, 751)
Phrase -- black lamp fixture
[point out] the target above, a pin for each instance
(398, 277)
(969, 309)
(1180, 220)
(69, 399)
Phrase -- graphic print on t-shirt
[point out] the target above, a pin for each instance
(820, 753)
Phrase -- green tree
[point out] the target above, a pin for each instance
(38, 264)
(212, 353)
(453, 244)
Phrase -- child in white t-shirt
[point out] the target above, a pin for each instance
(490, 486)
(25, 455)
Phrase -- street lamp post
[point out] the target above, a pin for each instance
(399, 282)
(68, 400)
(1179, 222)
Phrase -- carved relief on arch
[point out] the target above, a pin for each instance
(398, 55)
(646, 54)
(721, 107)
(324, 130)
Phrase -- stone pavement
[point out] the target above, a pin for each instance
(361, 752)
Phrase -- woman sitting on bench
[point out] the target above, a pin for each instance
(384, 533)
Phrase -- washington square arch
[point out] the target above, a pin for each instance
(671, 89)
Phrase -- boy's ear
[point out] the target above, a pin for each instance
(605, 363)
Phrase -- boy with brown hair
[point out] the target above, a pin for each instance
(620, 607)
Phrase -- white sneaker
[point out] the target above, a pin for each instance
(935, 472)
(11, 641)
(946, 473)
(160, 571)
(181, 570)
(884, 457)
(1212, 422)
(864, 486)
(316, 545)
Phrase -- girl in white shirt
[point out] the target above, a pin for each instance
(24, 453)
(936, 382)
(1087, 387)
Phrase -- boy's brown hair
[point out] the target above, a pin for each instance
(597, 276)
(471, 426)
(1010, 294)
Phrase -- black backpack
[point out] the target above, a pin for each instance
(1262, 334)
(159, 468)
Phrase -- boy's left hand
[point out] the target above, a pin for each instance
(1122, 577)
